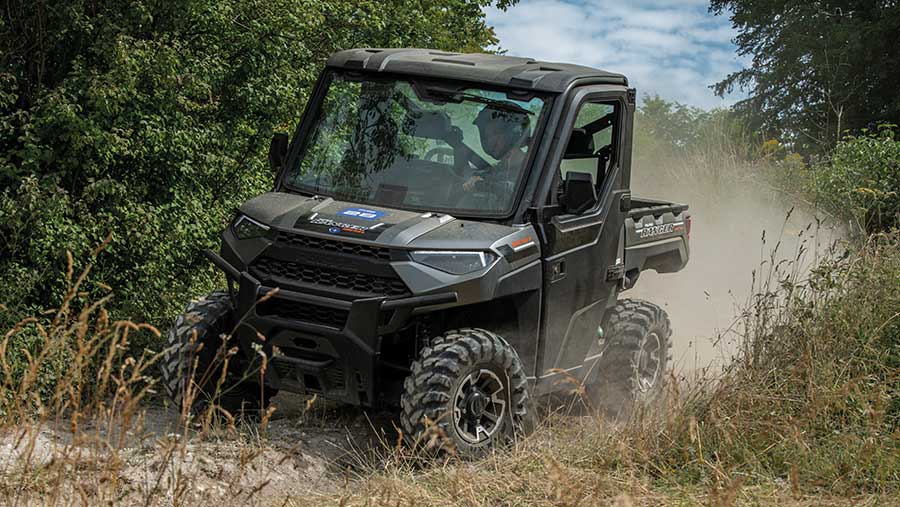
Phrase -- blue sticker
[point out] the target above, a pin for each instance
(363, 213)
(334, 230)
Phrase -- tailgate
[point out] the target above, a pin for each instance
(656, 236)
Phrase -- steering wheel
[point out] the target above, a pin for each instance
(438, 180)
(443, 152)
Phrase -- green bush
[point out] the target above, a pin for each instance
(861, 180)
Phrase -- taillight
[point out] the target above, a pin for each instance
(687, 226)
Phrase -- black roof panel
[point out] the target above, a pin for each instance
(500, 70)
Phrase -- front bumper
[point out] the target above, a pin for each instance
(316, 344)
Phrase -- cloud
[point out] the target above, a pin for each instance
(673, 48)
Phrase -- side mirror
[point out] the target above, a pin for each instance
(278, 151)
(579, 193)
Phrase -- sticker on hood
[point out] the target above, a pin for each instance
(336, 227)
(363, 213)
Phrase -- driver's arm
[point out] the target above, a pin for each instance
(470, 183)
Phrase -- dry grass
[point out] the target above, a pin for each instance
(568, 462)
(73, 418)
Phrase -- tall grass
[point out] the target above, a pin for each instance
(814, 396)
(93, 397)
(73, 417)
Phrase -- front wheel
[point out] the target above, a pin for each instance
(467, 392)
(199, 346)
(633, 368)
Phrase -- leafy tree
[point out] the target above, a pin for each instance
(818, 68)
(668, 129)
(148, 119)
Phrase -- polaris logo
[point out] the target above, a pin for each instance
(340, 226)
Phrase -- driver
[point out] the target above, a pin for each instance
(503, 135)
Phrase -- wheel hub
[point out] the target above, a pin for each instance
(476, 403)
(648, 364)
(479, 406)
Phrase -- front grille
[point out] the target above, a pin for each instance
(268, 267)
(288, 372)
(334, 377)
(303, 312)
(284, 369)
(330, 245)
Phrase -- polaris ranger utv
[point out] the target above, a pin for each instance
(447, 235)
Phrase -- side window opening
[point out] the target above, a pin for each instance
(592, 142)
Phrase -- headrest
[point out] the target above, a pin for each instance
(430, 124)
(580, 144)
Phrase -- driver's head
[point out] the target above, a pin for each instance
(500, 131)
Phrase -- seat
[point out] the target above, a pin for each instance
(581, 144)
(579, 156)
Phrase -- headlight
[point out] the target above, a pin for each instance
(245, 227)
(455, 263)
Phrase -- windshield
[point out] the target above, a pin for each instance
(418, 145)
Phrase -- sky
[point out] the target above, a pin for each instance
(674, 48)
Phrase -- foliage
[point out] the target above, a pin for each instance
(148, 120)
(858, 181)
(669, 130)
(72, 359)
(695, 155)
(861, 180)
(818, 68)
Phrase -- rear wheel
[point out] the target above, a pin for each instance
(467, 392)
(633, 367)
(199, 346)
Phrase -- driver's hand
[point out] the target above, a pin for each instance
(470, 183)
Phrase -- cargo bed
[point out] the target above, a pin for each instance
(656, 237)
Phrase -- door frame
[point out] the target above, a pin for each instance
(615, 185)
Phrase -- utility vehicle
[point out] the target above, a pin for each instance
(447, 235)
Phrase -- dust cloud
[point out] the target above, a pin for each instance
(730, 215)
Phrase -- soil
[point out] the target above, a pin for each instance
(308, 447)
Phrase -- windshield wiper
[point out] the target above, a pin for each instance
(494, 103)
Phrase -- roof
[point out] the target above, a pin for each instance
(499, 70)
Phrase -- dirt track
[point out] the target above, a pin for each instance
(304, 452)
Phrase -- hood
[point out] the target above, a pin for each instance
(384, 226)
